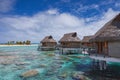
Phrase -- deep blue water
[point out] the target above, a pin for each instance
(18, 59)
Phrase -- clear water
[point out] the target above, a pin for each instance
(18, 59)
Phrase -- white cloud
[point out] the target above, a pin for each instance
(99, 22)
(51, 22)
(6, 5)
(83, 8)
(52, 11)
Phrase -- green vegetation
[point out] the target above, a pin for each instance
(27, 42)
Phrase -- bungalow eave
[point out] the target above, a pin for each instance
(103, 39)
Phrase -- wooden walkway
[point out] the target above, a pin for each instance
(105, 58)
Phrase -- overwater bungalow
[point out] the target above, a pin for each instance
(48, 44)
(86, 42)
(107, 39)
(70, 42)
(107, 43)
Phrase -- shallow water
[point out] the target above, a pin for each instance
(18, 59)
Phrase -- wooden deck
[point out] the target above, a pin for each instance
(70, 50)
(104, 58)
(40, 48)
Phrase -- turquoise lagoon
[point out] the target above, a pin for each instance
(15, 60)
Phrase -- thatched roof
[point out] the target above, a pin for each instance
(48, 39)
(70, 37)
(87, 38)
(110, 31)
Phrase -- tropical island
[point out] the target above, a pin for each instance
(16, 43)
(60, 40)
(27, 42)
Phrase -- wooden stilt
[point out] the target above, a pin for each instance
(104, 65)
(99, 65)
(62, 50)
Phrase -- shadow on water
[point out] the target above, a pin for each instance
(94, 73)
(111, 73)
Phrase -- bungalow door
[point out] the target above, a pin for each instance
(105, 46)
(102, 48)
(99, 47)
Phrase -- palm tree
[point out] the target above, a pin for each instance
(28, 42)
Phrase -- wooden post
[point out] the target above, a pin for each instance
(106, 47)
(99, 47)
(105, 44)
(62, 50)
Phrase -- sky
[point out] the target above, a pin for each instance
(22, 20)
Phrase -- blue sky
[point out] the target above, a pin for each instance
(34, 19)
